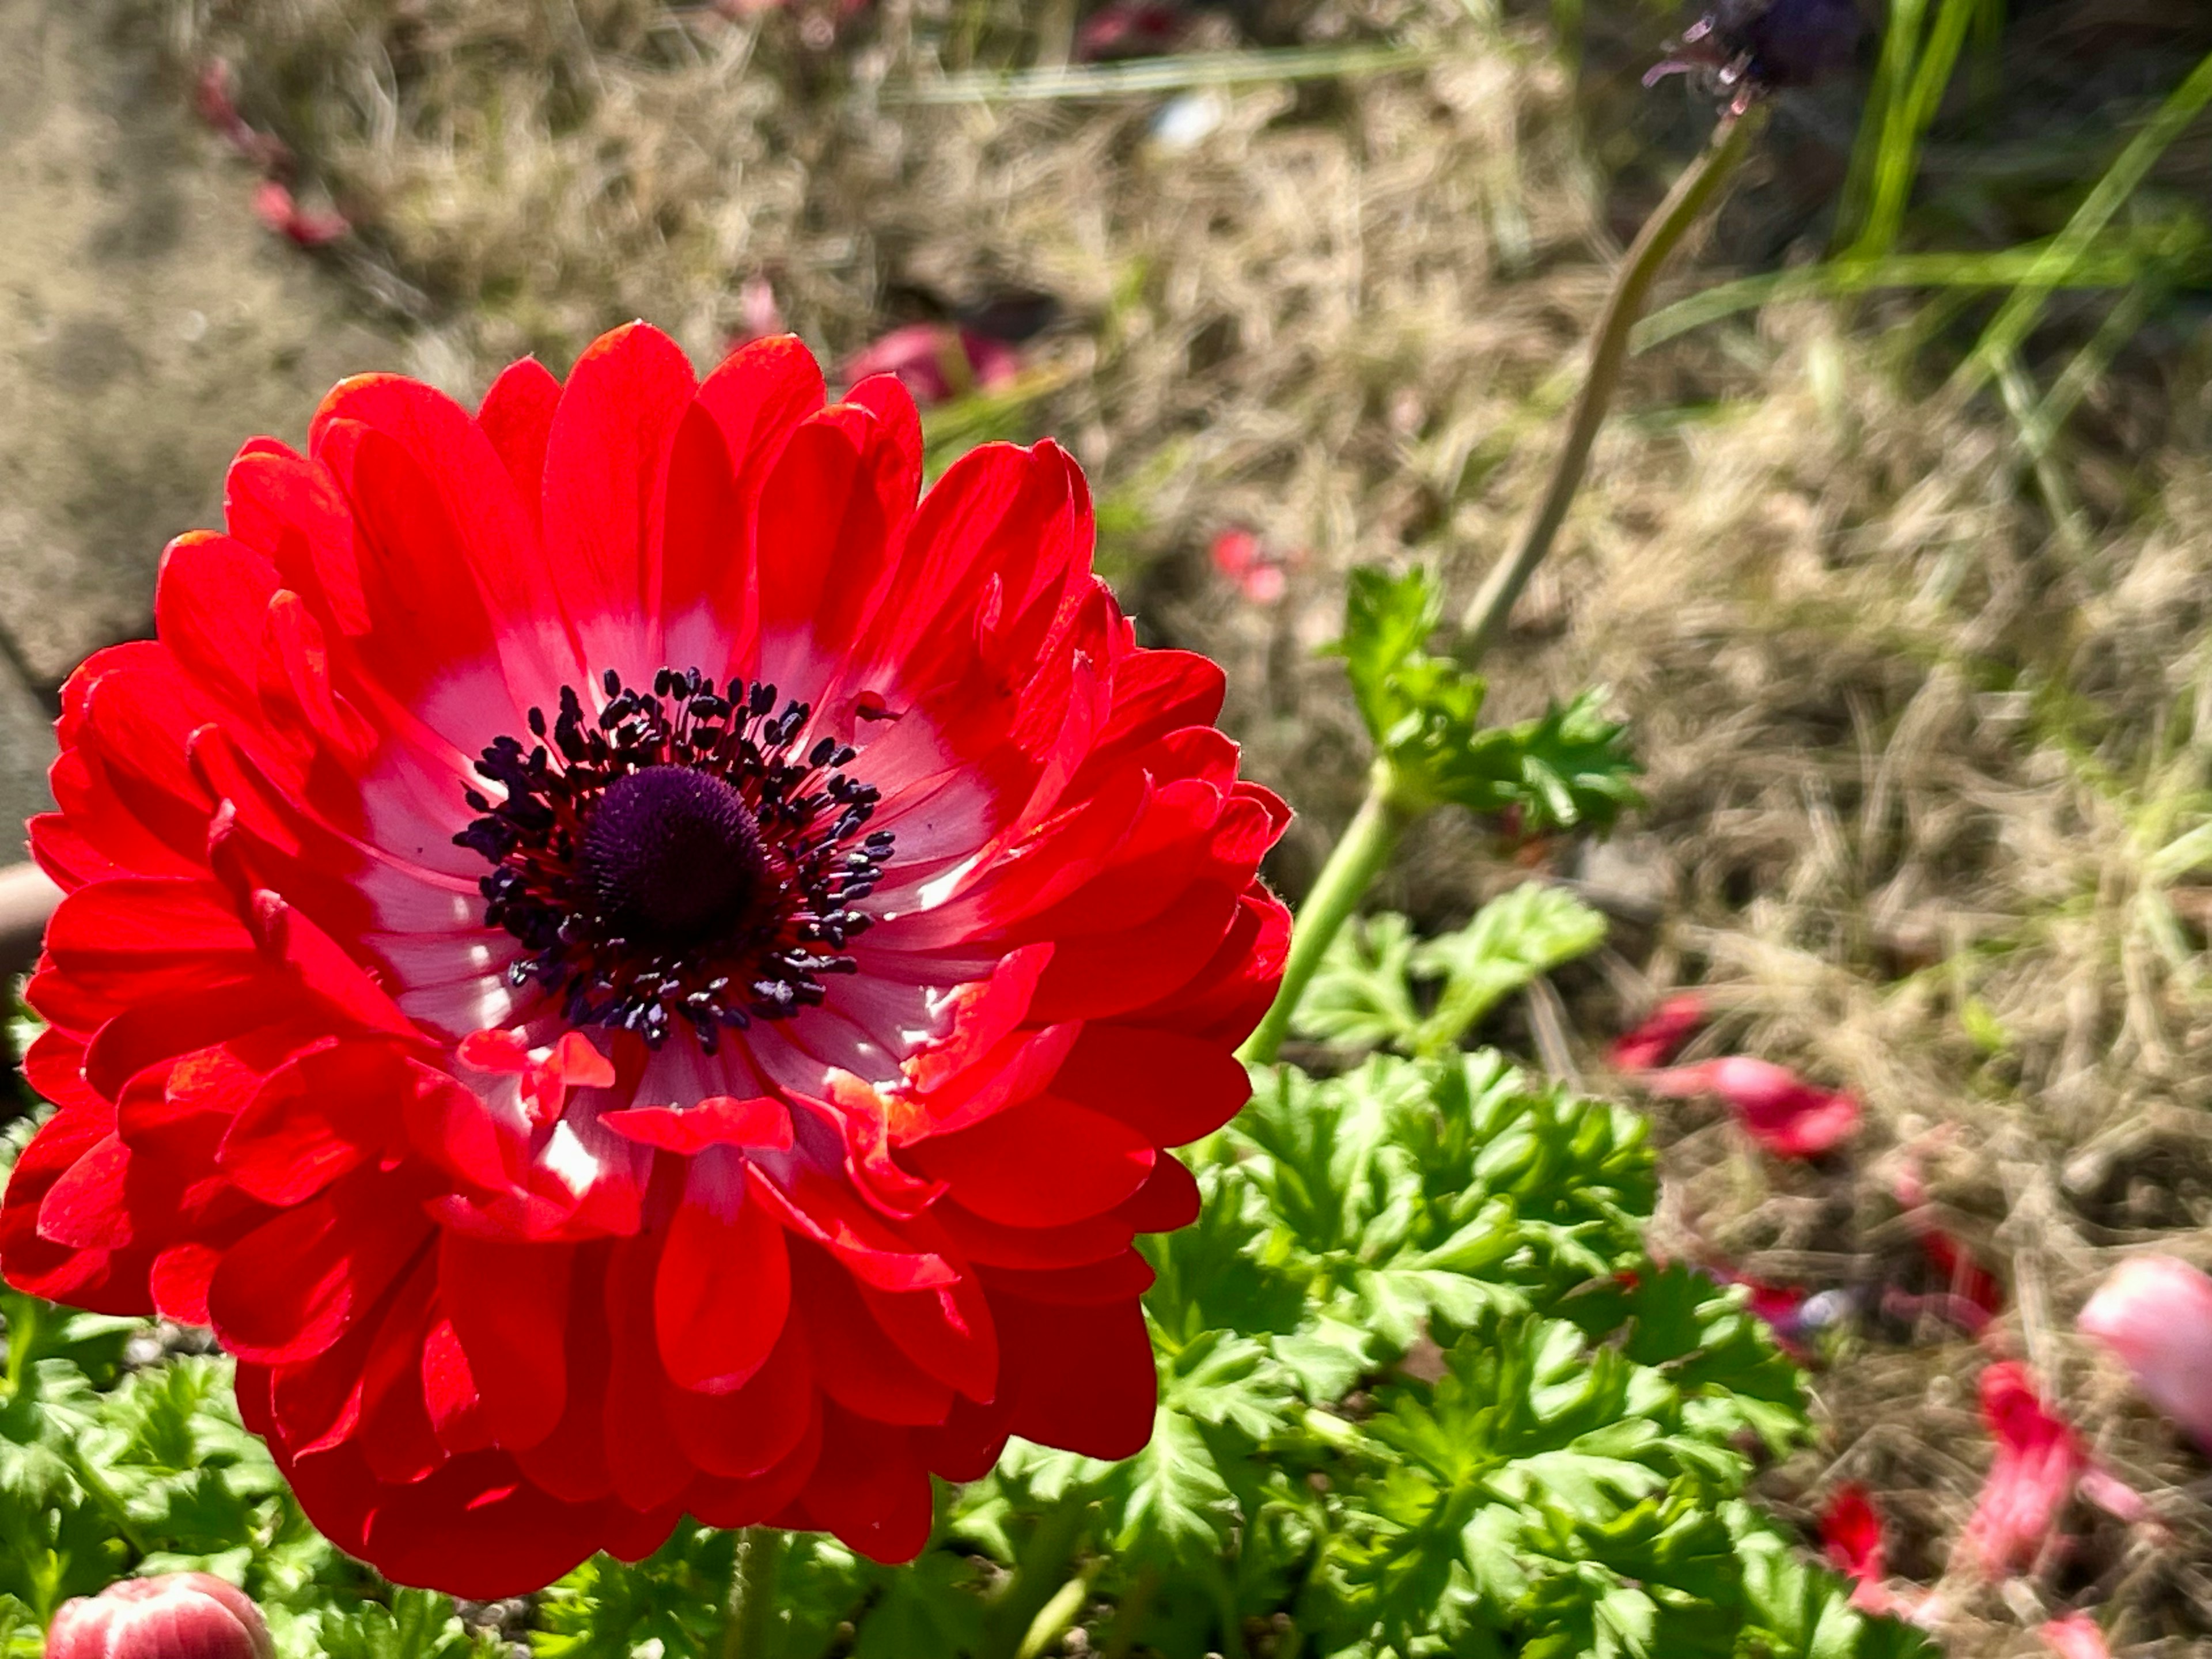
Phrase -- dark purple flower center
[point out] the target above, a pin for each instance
(1745, 47)
(673, 856)
(676, 857)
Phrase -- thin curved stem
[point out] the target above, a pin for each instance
(752, 1591)
(1662, 234)
(1386, 812)
(1352, 866)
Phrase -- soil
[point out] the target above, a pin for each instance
(148, 322)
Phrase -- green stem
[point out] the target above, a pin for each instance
(1390, 808)
(1351, 869)
(1136, 1606)
(1695, 191)
(1041, 1568)
(753, 1592)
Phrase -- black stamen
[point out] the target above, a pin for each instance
(667, 861)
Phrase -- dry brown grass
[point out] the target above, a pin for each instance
(1916, 750)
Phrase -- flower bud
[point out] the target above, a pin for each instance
(179, 1615)
(2155, 1314)
(1745, 47)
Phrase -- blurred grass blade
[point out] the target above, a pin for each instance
(1906, 119)
(1158, 75)
(1886, 99)
(2009, 330)
(2107, 267)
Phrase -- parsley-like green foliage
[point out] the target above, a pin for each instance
(1367, 993)
(1423, 1392)
(1568, 768)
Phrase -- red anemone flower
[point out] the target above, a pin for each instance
(626, 967)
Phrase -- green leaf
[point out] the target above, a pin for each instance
(1359, 996)
(1386, 622)
(1515, 939)
(1363, 993)
(933, 1609)
(1568, 768)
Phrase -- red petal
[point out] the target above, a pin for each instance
(758, 396)
(644, 1456)
(717, 1121)
(208, 603)
(396, 1437)
(1039, 1165)
(509, 1305)
(86, 1210)
(1087, 1380)
(293, 1286)
(869, 1490)
(723, 1287)
(1168, 1088)
(449, 1392)
(1167, 1200)
(856, 1363)
(1122, 1278)
(605, 461)
(947, 1331)
(741, 1435)
(516, 415)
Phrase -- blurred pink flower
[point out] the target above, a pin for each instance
(756, 307)
(936, 361)
(275, 207)
(1851, 1533)
(1782, 1112)
(1661, 1035)
(2155, 1313)
(1127, 28)
(1245, 560)
(1856, 1546)
(1974, 1296)
(214, 99)
(2040, 1464)
(2076, 1636)
(179, 1615)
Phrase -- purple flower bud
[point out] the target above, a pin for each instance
(1745, 47)
(179, 1615)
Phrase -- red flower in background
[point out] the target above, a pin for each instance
(177, 1615)
(2040, 1465)
(581, 1087)
(1852, 1538)
(1661, 1035)
(276, 206)
(1256, 569)
(937, 362)
(1780, 1110)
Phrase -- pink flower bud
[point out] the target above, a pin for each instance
(179, 1615)
(2155, 1314)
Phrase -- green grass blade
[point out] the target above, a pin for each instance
(2118, 266)
(2009, 330)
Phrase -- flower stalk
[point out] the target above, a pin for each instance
(1698, 188)
(1352, 866)
(1391, 805)
(752, 1591)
